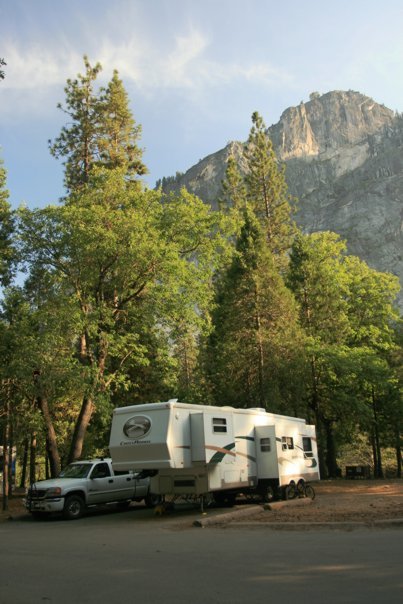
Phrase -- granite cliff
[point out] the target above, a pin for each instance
(344, 162)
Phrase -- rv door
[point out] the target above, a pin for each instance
(266, 452)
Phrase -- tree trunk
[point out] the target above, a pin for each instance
(378, 469)
(80, 429)
(320, 428)
(51, 442)
(374, 453)
(398, 449)
(6, 466)
(32, 459)
(11, 460)
(331, 460)
(24, 465)
(321, 436)
(258, 328)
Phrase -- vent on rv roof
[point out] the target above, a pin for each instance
(257, 409)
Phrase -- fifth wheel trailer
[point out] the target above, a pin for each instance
(195, 450)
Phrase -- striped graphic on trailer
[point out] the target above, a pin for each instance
(227, 450)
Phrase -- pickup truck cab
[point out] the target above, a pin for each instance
(83, 484)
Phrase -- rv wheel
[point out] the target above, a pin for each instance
(309, 492)
(225, 499)
(268, 494)
(290, 491)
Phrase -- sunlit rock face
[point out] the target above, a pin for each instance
(344, 162)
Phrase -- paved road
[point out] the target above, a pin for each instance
(138, 558)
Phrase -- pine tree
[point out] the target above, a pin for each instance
(255, 327)
(77, 142)
(7, 252)
(101, 132)
(267, 191)
(117, 142)
(233, 188)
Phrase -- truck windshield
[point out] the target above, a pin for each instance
(76, 470)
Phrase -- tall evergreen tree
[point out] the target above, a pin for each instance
(7, 251)
(118, 132)
(101, 132)
(233, 188)
(255, 323)
(267, 191)
(77, 142)
(255, 326)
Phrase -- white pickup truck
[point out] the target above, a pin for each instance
(83, 484)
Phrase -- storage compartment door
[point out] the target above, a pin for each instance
(198, 448)
(266, 452)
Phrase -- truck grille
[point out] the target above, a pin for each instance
(36, 493)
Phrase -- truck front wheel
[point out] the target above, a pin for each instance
(73, 507)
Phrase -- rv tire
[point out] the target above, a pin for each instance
(309, 491)
(267, 494)
(289, 491)
(225, 499)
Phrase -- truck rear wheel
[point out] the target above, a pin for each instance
(73, 507)
(151, 500)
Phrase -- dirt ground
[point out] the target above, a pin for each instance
(15, 507)
(344, 501)
(335, 501)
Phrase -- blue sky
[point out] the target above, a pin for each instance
(195, 70)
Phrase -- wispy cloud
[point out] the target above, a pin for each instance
(185, 64)
(37, 66)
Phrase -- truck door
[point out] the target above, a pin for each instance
(104, 487)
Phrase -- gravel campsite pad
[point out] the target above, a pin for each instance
(343, 501)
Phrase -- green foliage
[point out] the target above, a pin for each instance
(256, 341)
(7, 252)
(347, 311)
(78, 141)
(255, 326)
(118, 132)
(101, 130)
(130, 267)
(135, 295)
(267, 191)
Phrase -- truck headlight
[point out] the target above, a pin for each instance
(54, 492)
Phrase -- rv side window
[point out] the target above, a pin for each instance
(307, 446)
(219, 424)
(287, 442)
(265, 444)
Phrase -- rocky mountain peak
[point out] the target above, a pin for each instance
(343, 154)
(328, 122)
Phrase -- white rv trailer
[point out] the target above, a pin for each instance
(197, 450)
